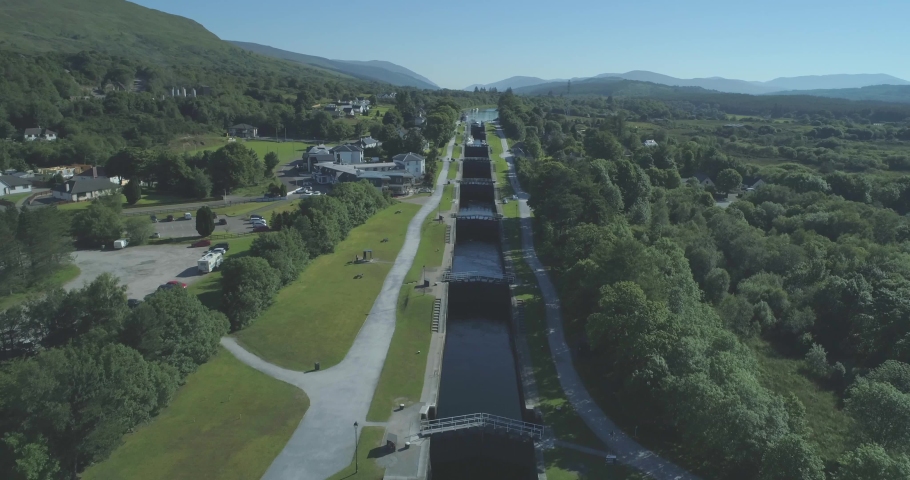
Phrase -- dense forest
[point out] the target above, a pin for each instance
(669, 296)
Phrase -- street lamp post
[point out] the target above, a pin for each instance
(356, 466)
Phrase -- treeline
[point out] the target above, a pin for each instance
(667, 288)
(249, 284)
(35, 243)
(80, 369)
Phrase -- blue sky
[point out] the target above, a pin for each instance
(456, 44)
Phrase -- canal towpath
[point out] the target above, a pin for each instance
(626, 449)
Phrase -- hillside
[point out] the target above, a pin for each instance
(125, 29)
(377, 71)
(720, 84)
(875, 93)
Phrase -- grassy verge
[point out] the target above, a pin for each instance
(316, 318)
(565, 464)
(227, 422)
(456, 152)
(453, 171)
(15, 197)
(59, 278)
(368, 449)
(402, 375)
(448, 197)
(429, 253)
(829, 425)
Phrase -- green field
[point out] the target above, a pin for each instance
(287, 152)
(403, 373)
(60, 278)
(316, 318)
(150, 198)
(227, 422)
(829, 425)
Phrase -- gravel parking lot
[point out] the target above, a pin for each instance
(141, 269)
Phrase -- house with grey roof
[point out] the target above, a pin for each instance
(368, 142)
(32, 134)
(81, 188)
(348, 154)
(11, 185)
(242, 130)
(650, 143)
(702, 180)
(411, 162)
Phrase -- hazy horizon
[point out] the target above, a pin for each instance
(699, 39)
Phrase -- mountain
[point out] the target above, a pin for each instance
(392, 68)
(827, 82)
(373, 70)
(721, 84)
(511, 82)
(876, 93)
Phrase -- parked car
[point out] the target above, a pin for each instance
(170, 218)
(223, 245)
(218, 250)
(254, 216)
(154, 219)
(222, 221)
(187, 216)
(202, 243)
(175, 283)
(260, 228)
(156, 235)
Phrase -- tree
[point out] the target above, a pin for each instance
(99, 224)
(249, 286)
(198, 185)
(271, 161)
(205, 221)
(717, 282)
(791, 457)
(235, 165)
(174, 327)
(871, 462)
(138, 230)
(817, 361)
(284, 250)
(132, 191)
(728, 180)
(882, 414)
(601, 144)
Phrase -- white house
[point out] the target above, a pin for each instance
(348, 154)
(650, 143)
(32, 134)
(99, 172)
(79, 189)
(413, 163)
(10, 185)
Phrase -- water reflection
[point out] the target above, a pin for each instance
(479, 370)
(469, 207)
(480, 257)
(483, 115)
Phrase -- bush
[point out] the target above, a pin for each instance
(285, 252)
(249, 286)
(138, 230)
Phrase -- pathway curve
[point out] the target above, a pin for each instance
(324, 440)
(627, 450)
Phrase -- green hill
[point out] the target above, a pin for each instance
(875, 93)
(124, 29)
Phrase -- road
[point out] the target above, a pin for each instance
(324, 440)
(627, 450)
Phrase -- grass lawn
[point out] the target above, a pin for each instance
(448, 197)
(429, 254)
(15, 197)
(227, 422)
(829, 424)
(565, 464)
(456, 152)
(60, 278)
(369, 447)
(209, 288)
(403, 373)
(150, 198)
(316, 318)
(453, 171)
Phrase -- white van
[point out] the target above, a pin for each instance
(187, 216)
(122, 243)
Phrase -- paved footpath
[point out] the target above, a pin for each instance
(627, 450)
(323, 443)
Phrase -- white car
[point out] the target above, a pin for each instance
(218, 250)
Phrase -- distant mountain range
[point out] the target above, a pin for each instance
(373, 70)
(809, 82)
(876, 93)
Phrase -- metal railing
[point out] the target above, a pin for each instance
(482, 420)
(475, 277)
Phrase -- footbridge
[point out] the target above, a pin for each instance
(484, 421)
